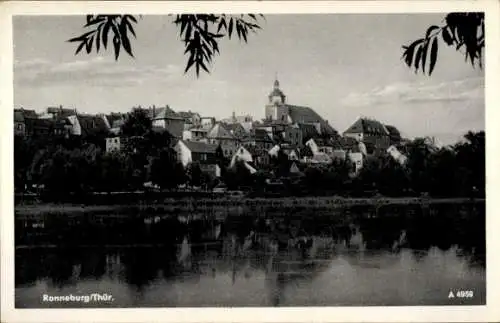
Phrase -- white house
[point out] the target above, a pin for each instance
(241, 154)
(200, 152)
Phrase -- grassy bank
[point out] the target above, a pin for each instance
(191, 204)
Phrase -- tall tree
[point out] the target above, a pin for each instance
(199, 33)
(137, 123)
(462, 30)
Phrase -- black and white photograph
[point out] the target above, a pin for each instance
(248, 160)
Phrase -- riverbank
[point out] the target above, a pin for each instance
(191, 204)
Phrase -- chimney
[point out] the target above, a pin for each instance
(60, 107)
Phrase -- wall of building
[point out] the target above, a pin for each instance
(19, 129)
(294, 136)
(183, 153)
(76, 129)
(113, 144)
(358, 136)
(357, 160)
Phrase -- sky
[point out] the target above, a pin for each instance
(342, 65)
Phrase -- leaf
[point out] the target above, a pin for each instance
(124, 39)
(98, 40)
(105, 32)
(189, 63)
(222, 24)
(117, 46)
(430, 29)
(131, 17)
(418, 58)
(131, 28)
(89, 45)
(447, 37)
(204, 67)
(94, 21)
(433, 57)
(230, 29)
(424, 55)
(81, 37)
(80, 47)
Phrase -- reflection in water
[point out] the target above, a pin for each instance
(272, 260)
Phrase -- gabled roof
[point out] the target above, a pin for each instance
(200, 147)
(393, 131)
(259, 134)
(91, 124)
(219, 132)
(186, 114)
(300, 114)
(308, 130)
(18, 116)
(60, 111)
(163, 113)
(364, 125)
(115, 118)
(236, 129)
(22, 114)
(255, 151)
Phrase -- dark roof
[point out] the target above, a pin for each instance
(219, 132)
(261, 135)
(22, 114)
(236, 129)
(18, 116)
(300, 114)
(255, 151)
(308, 131)
(60, 111)
(277, 92)
(114, 117)
(39, 123)
(186, 114)
(393, 131)
(364, 125)
(91, 125)
(163, 113)
(200, 147)
(62, 121)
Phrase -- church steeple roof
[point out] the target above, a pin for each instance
(276, 92)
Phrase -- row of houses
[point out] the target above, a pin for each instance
(291, 129)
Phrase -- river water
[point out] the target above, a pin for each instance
(356, 257)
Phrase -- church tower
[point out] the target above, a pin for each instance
(276, 108)
(277, 96)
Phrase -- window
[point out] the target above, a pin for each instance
(203, 157)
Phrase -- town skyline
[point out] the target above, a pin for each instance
(371, 83)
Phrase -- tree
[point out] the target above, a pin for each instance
(166, 172)
(137, 124)
(199, 33)
(116, 172)
(464, 31)
(221, 160)
(195, 174)
(419, 152)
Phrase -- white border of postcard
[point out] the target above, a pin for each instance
(488, 313)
